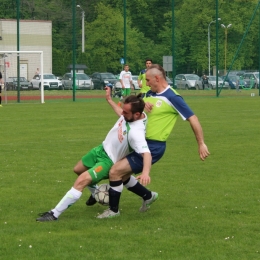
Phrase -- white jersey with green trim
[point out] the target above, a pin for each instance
(126, 77)
(126, 137)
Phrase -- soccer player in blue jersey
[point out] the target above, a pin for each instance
(163, 105)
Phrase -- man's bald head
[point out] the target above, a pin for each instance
(156, 70)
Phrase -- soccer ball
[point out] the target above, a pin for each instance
(101, 194)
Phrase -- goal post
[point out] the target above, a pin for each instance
(4, 53)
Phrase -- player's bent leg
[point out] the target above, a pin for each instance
(119, 170)
(82, 181)
(147, 196)
(85, 180)
(147, 203)
(79, 168)
(116, 174)
(68, 200)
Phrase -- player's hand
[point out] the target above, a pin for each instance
(148, 107)
(108, 92)
(203, 151)
(144, 179)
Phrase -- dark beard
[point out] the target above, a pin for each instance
(129, 120)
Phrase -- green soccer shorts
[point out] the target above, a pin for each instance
(126, 91)
(98, 164)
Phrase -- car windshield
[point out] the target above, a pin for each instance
(257, 75)
(214, 78)
(108, 76)
(82, 77)
(192, 77)
(22, 79)
(49, 76)
(134, 77)
(232, 77)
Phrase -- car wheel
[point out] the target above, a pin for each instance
(197, 87)
(186, 87)
(40, 86)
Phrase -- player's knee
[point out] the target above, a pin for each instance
(113, 172)
(82, 181)
(76, 170)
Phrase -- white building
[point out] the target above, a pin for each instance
(34, 35)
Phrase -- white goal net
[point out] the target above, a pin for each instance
(18, 69)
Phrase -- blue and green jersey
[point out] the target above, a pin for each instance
(166, 108)
(142, 77)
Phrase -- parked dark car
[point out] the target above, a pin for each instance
(11, 83)
(100, 79)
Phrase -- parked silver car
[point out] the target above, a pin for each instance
(82, 81)
(135, 82)
(186, 81)
(252, 79)
(212, 83)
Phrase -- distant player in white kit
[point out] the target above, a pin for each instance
(126, 81)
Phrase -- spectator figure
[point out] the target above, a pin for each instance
(205, 82)
(37, 72)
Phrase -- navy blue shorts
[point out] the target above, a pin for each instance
(157, 149)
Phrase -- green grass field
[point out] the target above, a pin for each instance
(206, 210)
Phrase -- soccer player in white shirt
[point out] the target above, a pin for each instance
(127, 135)
(126, 81)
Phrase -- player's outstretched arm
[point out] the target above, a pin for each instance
(197, 129)
(144, 177)
(118, 110)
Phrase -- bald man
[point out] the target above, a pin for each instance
(163, 106)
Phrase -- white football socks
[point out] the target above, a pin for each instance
(69, 199)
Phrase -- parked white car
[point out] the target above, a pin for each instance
(49, 82)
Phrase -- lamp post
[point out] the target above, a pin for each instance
(83, 28)
(209, 40)
(226, 30)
